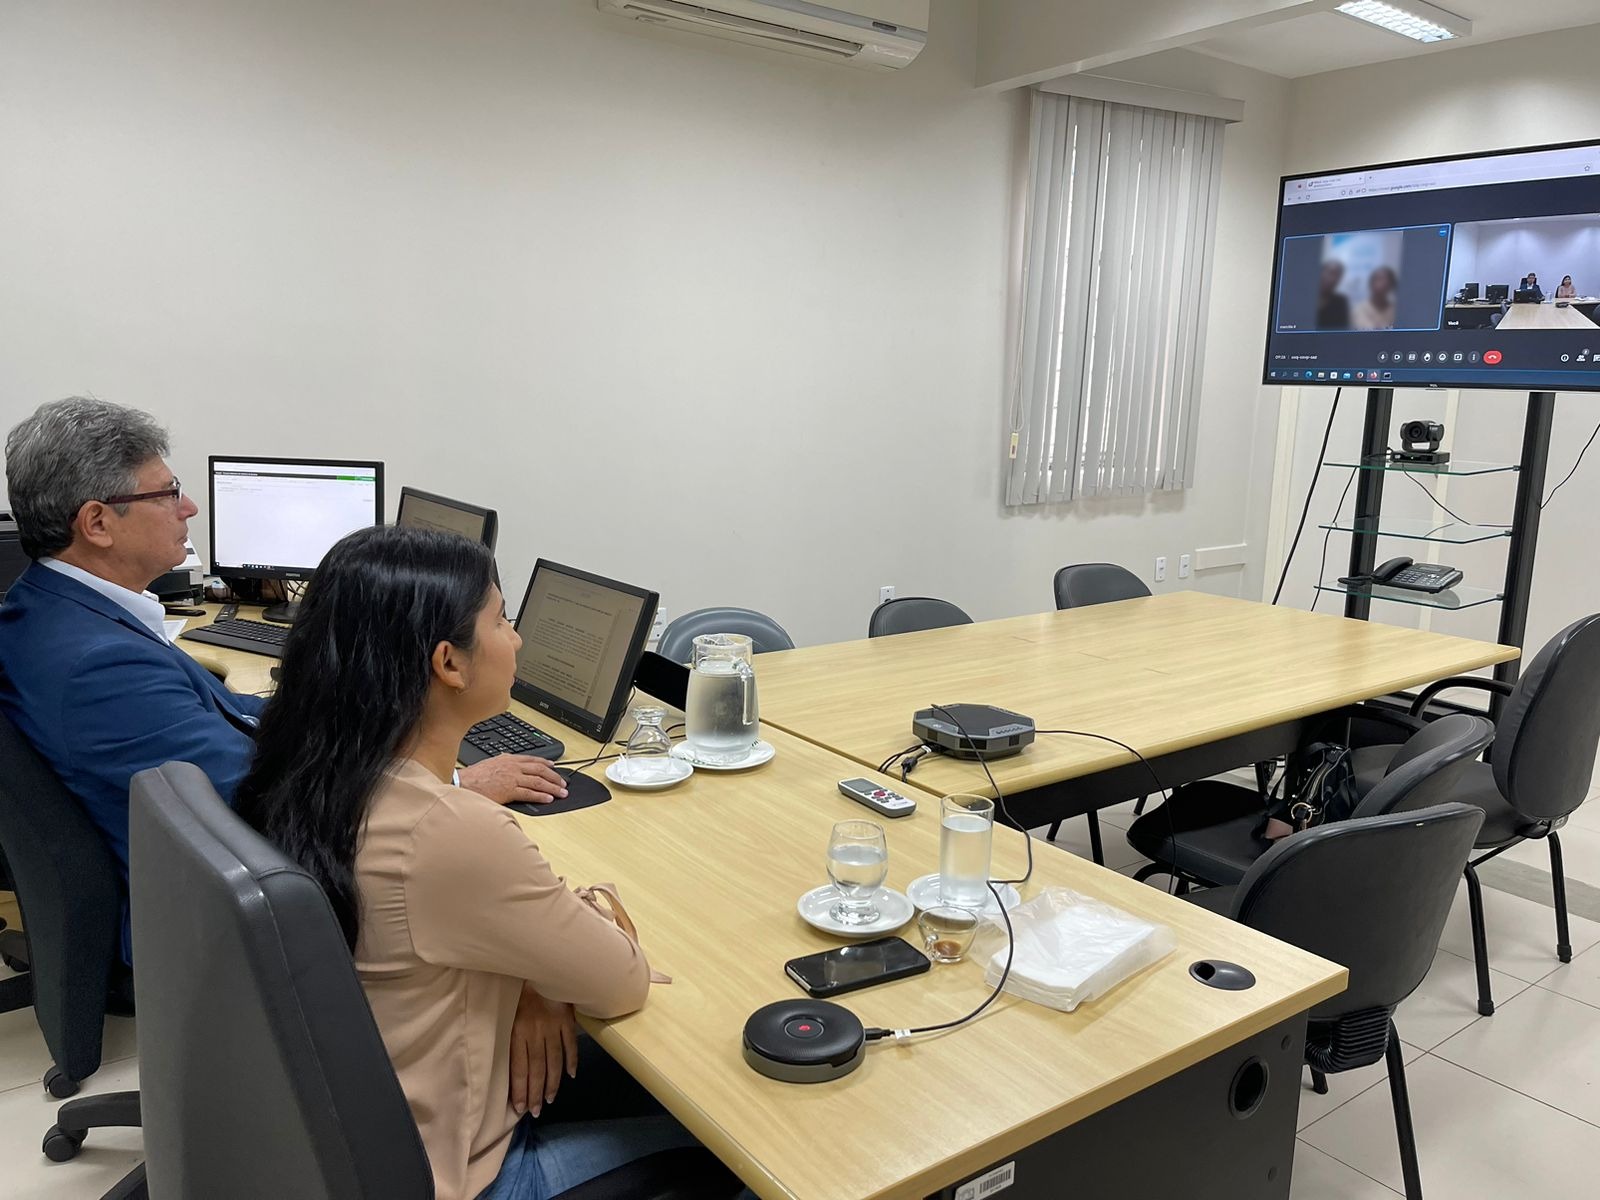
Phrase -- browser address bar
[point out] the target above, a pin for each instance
(1516, 168)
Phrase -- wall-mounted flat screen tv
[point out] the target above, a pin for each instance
(1473, 272)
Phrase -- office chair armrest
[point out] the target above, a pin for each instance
(1426, 695)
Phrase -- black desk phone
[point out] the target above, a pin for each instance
(1403, 572)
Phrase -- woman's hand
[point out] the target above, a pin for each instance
(515, 777)
(544, 1038)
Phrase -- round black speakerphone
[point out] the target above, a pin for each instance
(804, 1041)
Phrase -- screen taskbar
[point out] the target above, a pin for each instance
(1577, 367)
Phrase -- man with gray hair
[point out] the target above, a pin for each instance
(86, 671)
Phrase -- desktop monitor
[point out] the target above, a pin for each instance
(424, 510)
(1371, 263)
(582, 636)
(274, 518)
(1498, 291)
(1469, 291)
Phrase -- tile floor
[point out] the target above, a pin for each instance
(1505, 1107)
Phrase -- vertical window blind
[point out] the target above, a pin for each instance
(1119, 229)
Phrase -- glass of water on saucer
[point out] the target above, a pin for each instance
(647, 758)
(858, 862)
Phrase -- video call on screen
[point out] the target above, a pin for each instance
(1383, 279)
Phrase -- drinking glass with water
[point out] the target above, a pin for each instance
(647, 758)
(858, 862)
(966, 834)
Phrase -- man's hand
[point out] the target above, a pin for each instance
(514, 777)
(544, 1038)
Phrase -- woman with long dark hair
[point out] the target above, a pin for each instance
(471, 951)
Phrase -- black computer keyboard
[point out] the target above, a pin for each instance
(507, 734)
(254, 637)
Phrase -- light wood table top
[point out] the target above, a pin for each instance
(711, 871)
(1162, 674)
(1545, 316)
(249, 673)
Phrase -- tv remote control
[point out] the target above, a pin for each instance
(880, 799)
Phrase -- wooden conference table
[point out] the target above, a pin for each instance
(1479, 314)
(711, 871)
(1198, 684)
(1546, 316)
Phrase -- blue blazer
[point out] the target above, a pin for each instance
(101, 697)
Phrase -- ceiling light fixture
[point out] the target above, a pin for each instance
(1415, 19)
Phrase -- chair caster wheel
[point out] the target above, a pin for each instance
(61, 1146)
(59, 1085)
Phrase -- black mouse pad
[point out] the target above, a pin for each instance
(582, 792)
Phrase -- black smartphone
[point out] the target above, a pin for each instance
(832, 972)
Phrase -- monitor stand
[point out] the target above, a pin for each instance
(283, 614)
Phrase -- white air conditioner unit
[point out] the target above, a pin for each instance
(883, 34)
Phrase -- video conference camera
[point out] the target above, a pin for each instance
(1419, 442)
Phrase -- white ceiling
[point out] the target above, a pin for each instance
(1330, 41)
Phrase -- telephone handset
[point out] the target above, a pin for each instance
(1404, 572)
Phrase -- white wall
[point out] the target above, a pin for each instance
(715, 320)
(1544, 90)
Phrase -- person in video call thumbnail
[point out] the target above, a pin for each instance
(1333, 307)
(1377, 310)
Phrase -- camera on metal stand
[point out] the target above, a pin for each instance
(1419, 442)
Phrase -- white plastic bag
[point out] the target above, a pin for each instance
(1070, 948)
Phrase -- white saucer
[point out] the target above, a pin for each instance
(894, 910)
(760, 753)
(924, 893)
(679, 771)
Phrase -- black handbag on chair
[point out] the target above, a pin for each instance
(1325, 793)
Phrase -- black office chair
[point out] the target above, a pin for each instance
(1371, 893)
(1083, 584)
(1206, 834)
(1540, 769)
(1079, 586)
(765, 634)
(16, 991)
(913, 614)
(262, 1069)
(70, 893)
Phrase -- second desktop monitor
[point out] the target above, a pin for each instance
(274, 518)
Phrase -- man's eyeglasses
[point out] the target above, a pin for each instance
(172, 492)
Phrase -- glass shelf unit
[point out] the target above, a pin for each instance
(1460, 596)
(1461, 466)
(1418, 529)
